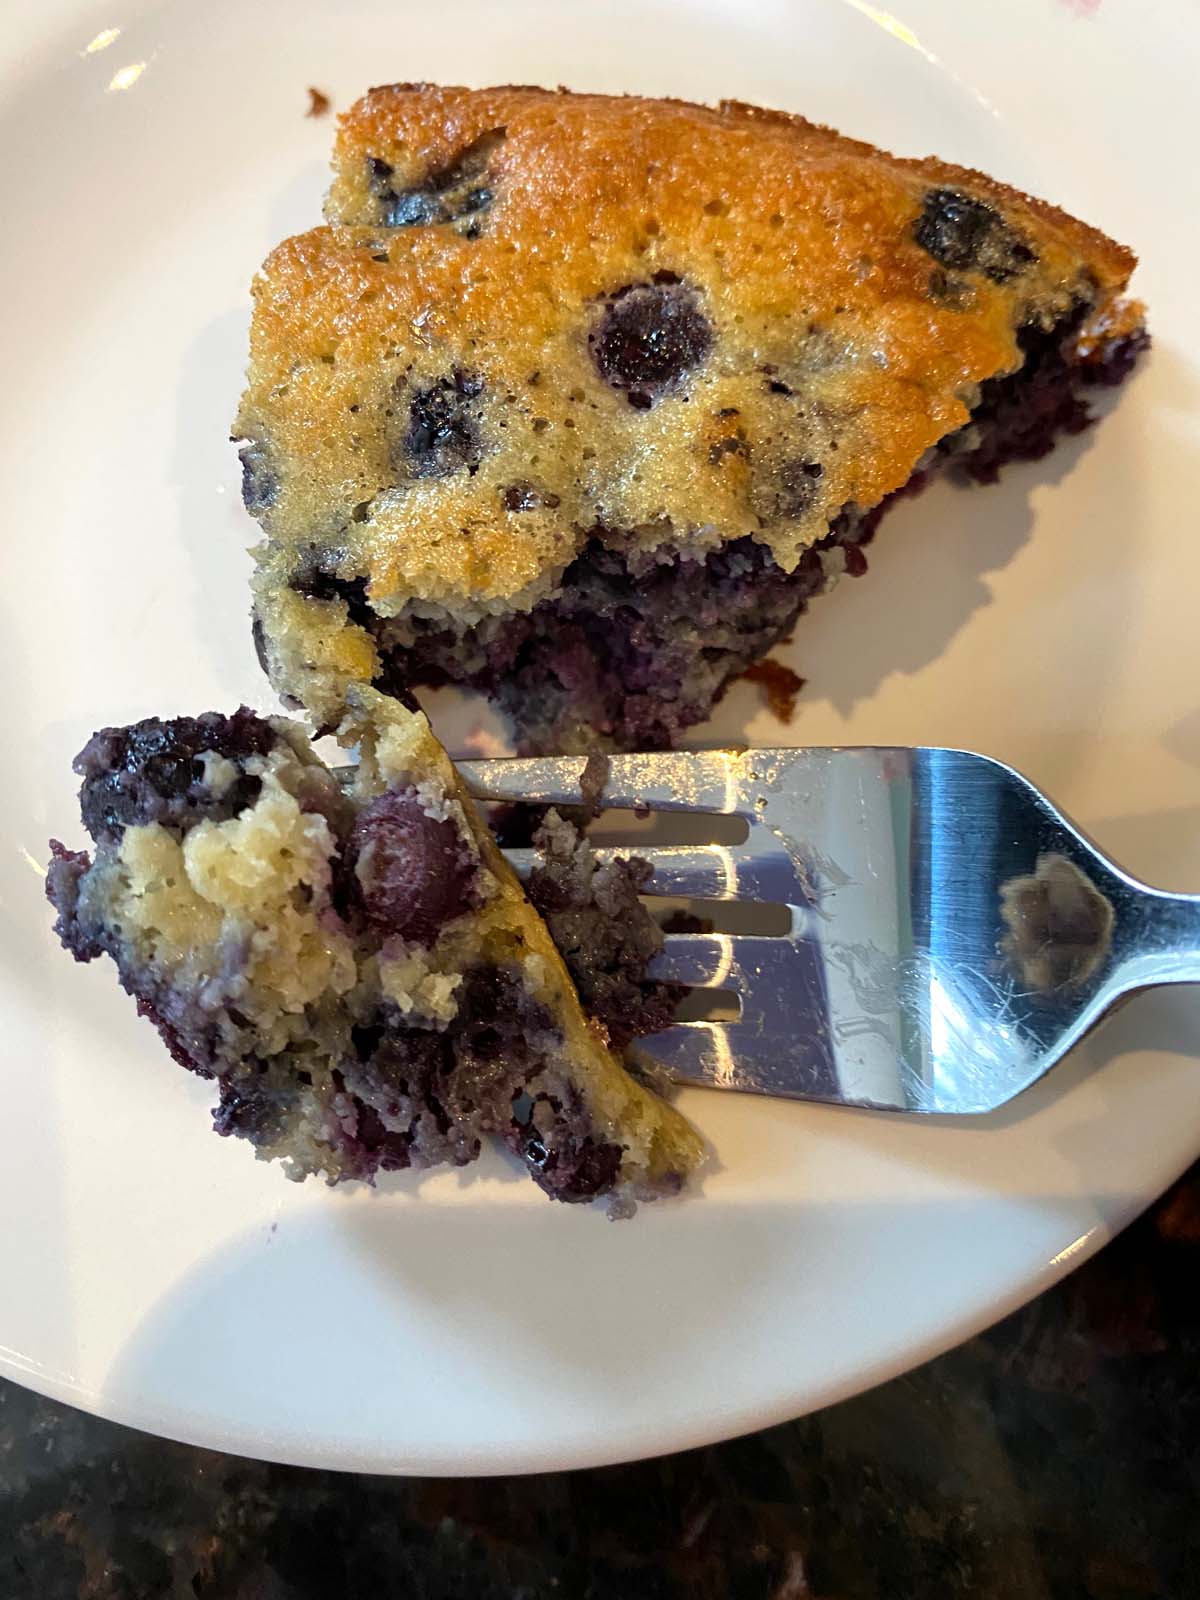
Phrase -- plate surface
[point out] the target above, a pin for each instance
(459, 1323)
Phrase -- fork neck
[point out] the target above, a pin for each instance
(1158, 939)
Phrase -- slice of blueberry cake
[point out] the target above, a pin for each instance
(358, 968)
(579, 399)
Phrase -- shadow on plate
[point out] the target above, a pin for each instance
(399, 1335)
(929, 570)
(930, 565)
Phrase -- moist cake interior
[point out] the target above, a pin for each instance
(636, 650)
(356, 968)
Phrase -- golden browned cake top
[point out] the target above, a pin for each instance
(536, 317)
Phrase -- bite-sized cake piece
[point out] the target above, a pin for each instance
(580, 399)
(357, 968)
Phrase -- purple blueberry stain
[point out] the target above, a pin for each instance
(254, 1104)
(260, 482)
(64, 879)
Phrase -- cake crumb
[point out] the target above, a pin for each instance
(318, 103)
(779, 684)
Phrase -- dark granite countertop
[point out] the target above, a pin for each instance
(1056, 1457)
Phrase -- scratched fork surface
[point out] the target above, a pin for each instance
(952, 934)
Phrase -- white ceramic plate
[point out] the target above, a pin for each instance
(149, 157)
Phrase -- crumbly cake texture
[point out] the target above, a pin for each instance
(358, 969)
(580, 399)
(604, 934)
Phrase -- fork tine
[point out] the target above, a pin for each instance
(699, 1052)
(700, 871)
(724, 960)
(740, 1055)
(674, 780)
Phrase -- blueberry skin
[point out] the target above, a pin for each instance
(443, 434)
(414, 872)
(968, 235)
(649, 337)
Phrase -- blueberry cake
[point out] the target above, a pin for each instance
(579, 400)
(356, 967)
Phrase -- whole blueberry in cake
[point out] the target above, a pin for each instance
(355, 967)
(579, 400)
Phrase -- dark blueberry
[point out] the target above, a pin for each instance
(649, 336)
(513, 826)
(315, 581)
(446, 194)
(260, 484)
(254, 1107)
(413, 209)
(443, 427)
(153, 772)
(379, 177)
(968, 235)
(565, 1161)
(497, 1027)
(392, 1064)
(378, 1147)
(417, 1097)
(392, 679)
(475, 200)
(1021, 416)
(1117, 360)
(414, 872)
(797, 487)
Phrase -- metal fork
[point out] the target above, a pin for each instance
(952, 934)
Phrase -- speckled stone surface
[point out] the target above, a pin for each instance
(1056, 1457)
